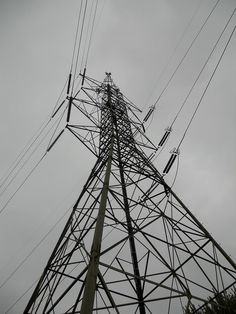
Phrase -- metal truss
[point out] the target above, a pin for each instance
(130, 245)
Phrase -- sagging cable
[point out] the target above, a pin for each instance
(21, 185)
(79, 46)
(207, 86)
(91, 33)
(59, 98)
(202, 69)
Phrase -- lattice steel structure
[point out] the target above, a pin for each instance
(130, 245)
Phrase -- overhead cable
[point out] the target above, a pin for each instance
(34, 249)
(169, 129)
(175, 48)
(32, 153)
(204, 65)
(87, 35)
(186, 53)
(30, 143)
(91, 33)
(175, 151)
(207, 86)
(7, 311)
(37, 164)
(20, 186)
(76, 36)
(56, 128)
(79, 46)
(23, 152)
(55, 109)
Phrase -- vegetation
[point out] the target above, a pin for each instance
(221, 304)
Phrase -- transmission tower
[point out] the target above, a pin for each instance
(130, 244)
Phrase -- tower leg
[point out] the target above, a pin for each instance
(91, 278)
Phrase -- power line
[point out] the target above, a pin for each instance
(33, 249)
(76, 35)
(34, 168)
(91, 34)
(34, 150)
(206, 88)
(23, 152)
(20, 186)
(87, 34)
(186, 53)
(175, 49)
(7, 311)
(204, 65)
(175, 151)
(169, 129)
(58, 99)
(30, 144)
(152, 108)
(79, 45)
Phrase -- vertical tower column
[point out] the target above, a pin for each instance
(133, 252)
(91, 278)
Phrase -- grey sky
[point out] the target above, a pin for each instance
(133, 40)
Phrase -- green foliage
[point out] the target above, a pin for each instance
(221, 304)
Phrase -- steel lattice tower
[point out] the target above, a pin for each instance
(130, 245)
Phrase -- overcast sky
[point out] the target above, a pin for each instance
(134, 40)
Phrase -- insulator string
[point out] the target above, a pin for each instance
(199, 74)
(175, 151)
(176, 173)
(58, 123)
(29, 144)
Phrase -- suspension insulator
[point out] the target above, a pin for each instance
(68, 86)
(174, 154)
(69, 109)
(165, 137)
(58, 109)
(149, 114)
(83, 77)
(151, 156)
(54, 142)
(143, 128)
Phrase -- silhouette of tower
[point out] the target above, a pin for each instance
(130, 244)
